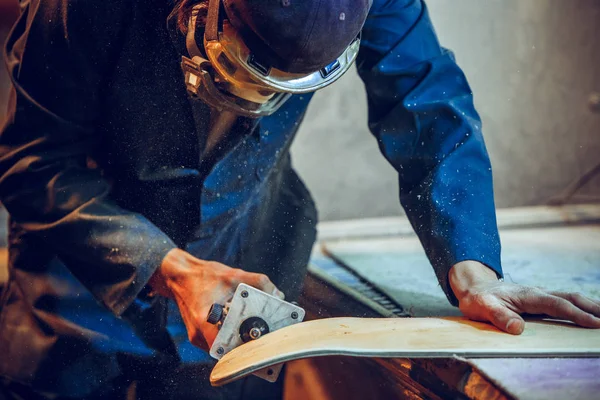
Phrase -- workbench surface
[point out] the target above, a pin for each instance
(553, 247)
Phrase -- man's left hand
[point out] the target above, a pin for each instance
(482, 297)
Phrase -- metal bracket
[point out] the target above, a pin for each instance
(249, 310)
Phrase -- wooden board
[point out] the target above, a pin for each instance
(514, 378)
(405, 337)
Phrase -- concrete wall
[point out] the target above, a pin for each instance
(532, 65)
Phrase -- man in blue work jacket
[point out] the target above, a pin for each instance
(143, 187)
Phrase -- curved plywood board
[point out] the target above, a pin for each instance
(405, 338)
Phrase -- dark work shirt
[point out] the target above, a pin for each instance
(102, 173)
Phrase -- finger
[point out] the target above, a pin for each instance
(505, 319)
(262, 282)
(560, 308)
(585, 303)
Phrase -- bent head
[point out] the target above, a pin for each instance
(256, 53)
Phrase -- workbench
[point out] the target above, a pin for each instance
(553, 247)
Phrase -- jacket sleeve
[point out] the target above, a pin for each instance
(421, 111)
(59, 55)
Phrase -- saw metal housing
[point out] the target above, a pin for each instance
(251, 304)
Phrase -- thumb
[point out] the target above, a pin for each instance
(506, 319)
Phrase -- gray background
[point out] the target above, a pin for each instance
(532, 65)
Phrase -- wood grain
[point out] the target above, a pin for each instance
(405, 337)
(390, 378)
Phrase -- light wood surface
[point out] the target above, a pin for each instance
(405, 337)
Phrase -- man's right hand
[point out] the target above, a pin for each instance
(196, 284)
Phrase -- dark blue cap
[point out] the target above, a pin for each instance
(297, 36)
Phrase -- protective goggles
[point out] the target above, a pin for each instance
(229, 76)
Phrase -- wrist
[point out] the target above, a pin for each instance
(466, 275)
(171, 267)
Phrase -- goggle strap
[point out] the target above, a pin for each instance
(190, 38)
(212, 20)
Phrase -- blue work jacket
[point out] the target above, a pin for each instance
(102, 172)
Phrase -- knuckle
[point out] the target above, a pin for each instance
(263, 280)
(576, 297)
(232, 277)
(527, 297)
(554, 304)
(217, 266)
(570, 297)
(475, 303)
(213, 264)
(529, 292)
